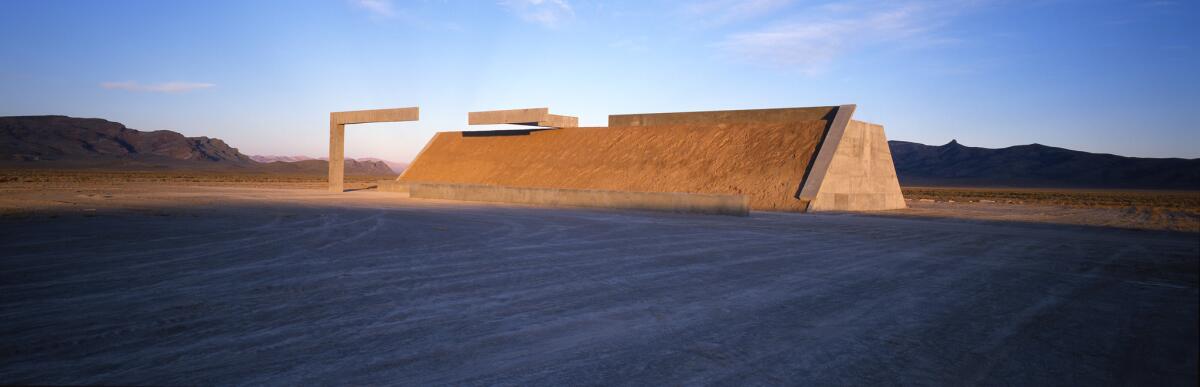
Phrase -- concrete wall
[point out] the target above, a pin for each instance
(738, 205)
(861, 175)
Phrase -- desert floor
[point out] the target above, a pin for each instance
(138, 282)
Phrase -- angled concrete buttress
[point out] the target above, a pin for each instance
(528, 117)
(853, 170)
(337, 135)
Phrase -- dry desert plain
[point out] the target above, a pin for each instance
(195, 278)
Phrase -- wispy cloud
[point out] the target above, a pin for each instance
(811, 40)
(380, 8)
(720, 12)
(548, 13)
(166, 87)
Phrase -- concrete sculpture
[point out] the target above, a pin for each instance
(790, 159)
(337, 135)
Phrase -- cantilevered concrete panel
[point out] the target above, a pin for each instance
(530, 117)
(337, 136)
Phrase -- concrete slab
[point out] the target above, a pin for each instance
(528, 117)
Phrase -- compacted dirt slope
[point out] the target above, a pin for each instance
(765, 161)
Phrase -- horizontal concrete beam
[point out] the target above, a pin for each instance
(530, 117)
(737, 205)
(377, 115)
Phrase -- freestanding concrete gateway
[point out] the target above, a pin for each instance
(789, 159)
(337, 136)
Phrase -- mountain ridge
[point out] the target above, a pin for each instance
(1037, 165)
(58, 141)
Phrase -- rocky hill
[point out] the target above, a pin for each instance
(60, 138)
(69, 142)
(1036, 165)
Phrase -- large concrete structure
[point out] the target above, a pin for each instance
(791, 159)
(337, 135)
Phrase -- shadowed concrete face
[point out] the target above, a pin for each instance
(337, 135)
(528, 117)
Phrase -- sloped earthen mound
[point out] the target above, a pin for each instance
(765, 161)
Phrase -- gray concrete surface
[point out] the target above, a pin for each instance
(373, 289)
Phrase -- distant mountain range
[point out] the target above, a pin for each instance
(69, 142)
(395, 166)
(1037, 165)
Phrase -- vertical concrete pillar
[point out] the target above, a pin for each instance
(337, 151)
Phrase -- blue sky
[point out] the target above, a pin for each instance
(1102, 76)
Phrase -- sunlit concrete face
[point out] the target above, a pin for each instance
(337, 135)
(528, 117)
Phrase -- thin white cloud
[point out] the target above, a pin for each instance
(381, 8)
(720, 12)
(811, 40)
(548, 13)
(166, 87)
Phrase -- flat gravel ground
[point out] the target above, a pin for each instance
(241, 286)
